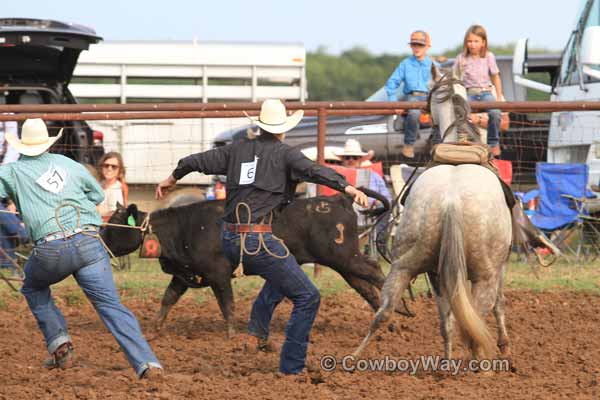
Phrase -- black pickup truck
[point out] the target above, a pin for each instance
(37, 62)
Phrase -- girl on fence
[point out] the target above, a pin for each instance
(477, 67)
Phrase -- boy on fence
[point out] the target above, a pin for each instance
(414, 73)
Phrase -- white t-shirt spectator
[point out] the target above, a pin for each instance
(112, 195)
(7, 153)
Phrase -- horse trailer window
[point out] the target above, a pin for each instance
(569, 63)
(594, 15)
(593, 19)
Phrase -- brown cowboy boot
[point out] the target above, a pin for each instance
(408, 151)
(62, 358)
(524, 232)
(268, 346)
(495, 150)
(153, 374)
(251, 344)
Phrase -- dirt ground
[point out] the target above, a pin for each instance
(555, 354)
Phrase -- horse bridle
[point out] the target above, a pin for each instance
(460, 105)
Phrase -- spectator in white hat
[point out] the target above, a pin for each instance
(353, 156)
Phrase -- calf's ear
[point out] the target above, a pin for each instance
(133, 211)
(120, 206)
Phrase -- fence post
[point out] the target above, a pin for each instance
(322, 127)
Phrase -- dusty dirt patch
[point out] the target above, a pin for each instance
(555, 347)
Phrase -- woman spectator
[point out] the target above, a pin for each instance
(112, 179)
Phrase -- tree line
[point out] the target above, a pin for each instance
(356, 74)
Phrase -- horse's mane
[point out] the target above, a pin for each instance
(444, 90)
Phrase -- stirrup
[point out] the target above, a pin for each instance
(552, 249)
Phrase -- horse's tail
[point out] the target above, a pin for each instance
(452, 270)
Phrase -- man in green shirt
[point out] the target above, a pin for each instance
(57, 199)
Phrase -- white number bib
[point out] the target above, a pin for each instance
(248, 172)
(53, 180)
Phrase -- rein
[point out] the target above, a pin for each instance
(461, 108)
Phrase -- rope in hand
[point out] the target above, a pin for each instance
(261, 241)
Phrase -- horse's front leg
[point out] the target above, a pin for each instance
(395, 284)
(503, 340)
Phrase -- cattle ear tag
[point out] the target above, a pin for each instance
(150, 246)
(131, 221)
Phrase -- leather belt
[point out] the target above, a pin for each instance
(417, 93)
(247, 228)
(476, 91)
(66, 234)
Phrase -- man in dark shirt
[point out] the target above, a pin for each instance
(261, 177)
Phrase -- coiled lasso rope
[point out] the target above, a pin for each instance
(96, 234)
(261, 240)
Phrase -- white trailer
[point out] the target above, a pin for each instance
(574, 136)
(143, 71)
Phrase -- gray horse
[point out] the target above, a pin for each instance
(456, 227)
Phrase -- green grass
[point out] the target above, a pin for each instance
(560, 276)
(146, 281)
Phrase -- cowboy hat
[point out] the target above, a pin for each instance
(34, 138)
(351, 148)
(273, 117)
(329, 153)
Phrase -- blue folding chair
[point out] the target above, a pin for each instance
(561, 209)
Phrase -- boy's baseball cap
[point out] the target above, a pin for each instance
(420, 37)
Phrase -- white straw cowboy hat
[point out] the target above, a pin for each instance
(34, 138)
(352, 148)
(329, 153)
(273, 117)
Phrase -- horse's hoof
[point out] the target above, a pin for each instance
(403, 309)
(230, 333)
(158, 325)
(504, 350)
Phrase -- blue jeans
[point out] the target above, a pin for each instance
(85, 258)
(284, 278)
(494, 115)
(411, 121)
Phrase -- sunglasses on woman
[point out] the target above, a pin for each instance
(110, 166)
(352, 157)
